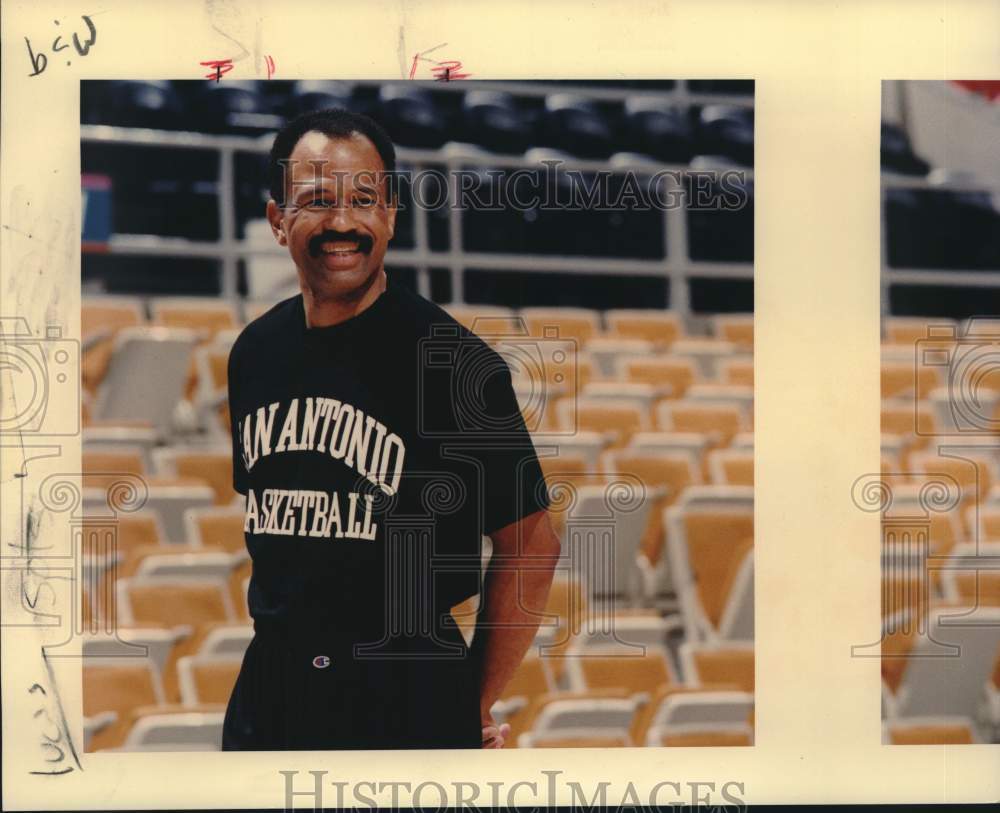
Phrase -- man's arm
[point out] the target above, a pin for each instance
(515, 590)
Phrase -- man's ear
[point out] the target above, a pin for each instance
(274, 217)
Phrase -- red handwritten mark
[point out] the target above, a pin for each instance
(221, 66)
(448, 70)
(442, 70)
(270, 65)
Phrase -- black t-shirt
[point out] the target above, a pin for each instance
(374, 455)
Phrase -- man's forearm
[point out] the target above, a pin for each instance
(515, 592)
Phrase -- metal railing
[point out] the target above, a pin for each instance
(957, 277)
(675, 266)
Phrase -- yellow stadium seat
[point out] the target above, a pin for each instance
(675, 372)
(659, 326)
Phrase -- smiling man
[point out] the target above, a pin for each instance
(371, 475)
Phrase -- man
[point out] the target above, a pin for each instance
(371, 475)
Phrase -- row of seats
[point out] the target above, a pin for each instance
(191, 341)
(416, 115)
(941, 661)
(711, 571)
(189, 667)
(669, 536)
(940, 517)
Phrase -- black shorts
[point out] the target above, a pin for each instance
(307, 692)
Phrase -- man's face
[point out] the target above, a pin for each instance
(337, 220)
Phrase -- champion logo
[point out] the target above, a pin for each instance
(321, 661)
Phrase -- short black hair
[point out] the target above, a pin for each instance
(334, 122)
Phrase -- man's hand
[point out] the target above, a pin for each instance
(494, 736)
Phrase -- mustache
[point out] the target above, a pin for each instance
(364, 242)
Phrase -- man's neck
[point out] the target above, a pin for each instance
(332, 311)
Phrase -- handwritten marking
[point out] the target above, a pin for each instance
(442, 70)
(221, 66)
(39, 61)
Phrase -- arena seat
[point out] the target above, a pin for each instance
(531, 680)
(974, 586)
(582, 742)
(101, 318)
(709, 531)
(118, 686)
(736, 328)
(718, 423)
(575, 324)
(235, 106)
(639, 674)
(724, 395)
(909, 513)
(168, 498)
(957, 411)
(908, 330)
(913, 422)
(107, 434)
(205, 315)
(173, 601)
(640, 395)
(951, 685)
(661, 327)
(727, 130)
(675, 374)
(134, 103)
(216, 527)
(175, 730)
(617, 420)
(606, 352)
(318, 94)
(207, 678)
(102, 465)
(577, 121)
(742, 440)
(147, 376)
(193, 565)
(565, 610)
(738, 370)
(214, 637)
(213, 464)
(666, 475)
(692, 445)
(658, 128)
(713, 738)
(731, 467)
(723, 662)
(410, 116)
(581, 443)
(970, 471)
(487, 321)
(707, 353)
(599, 713)
(683, 715)
(900, 380)
(495, 120)
(556, 367)
(929, 730)
(563, 477)
(604, 526)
